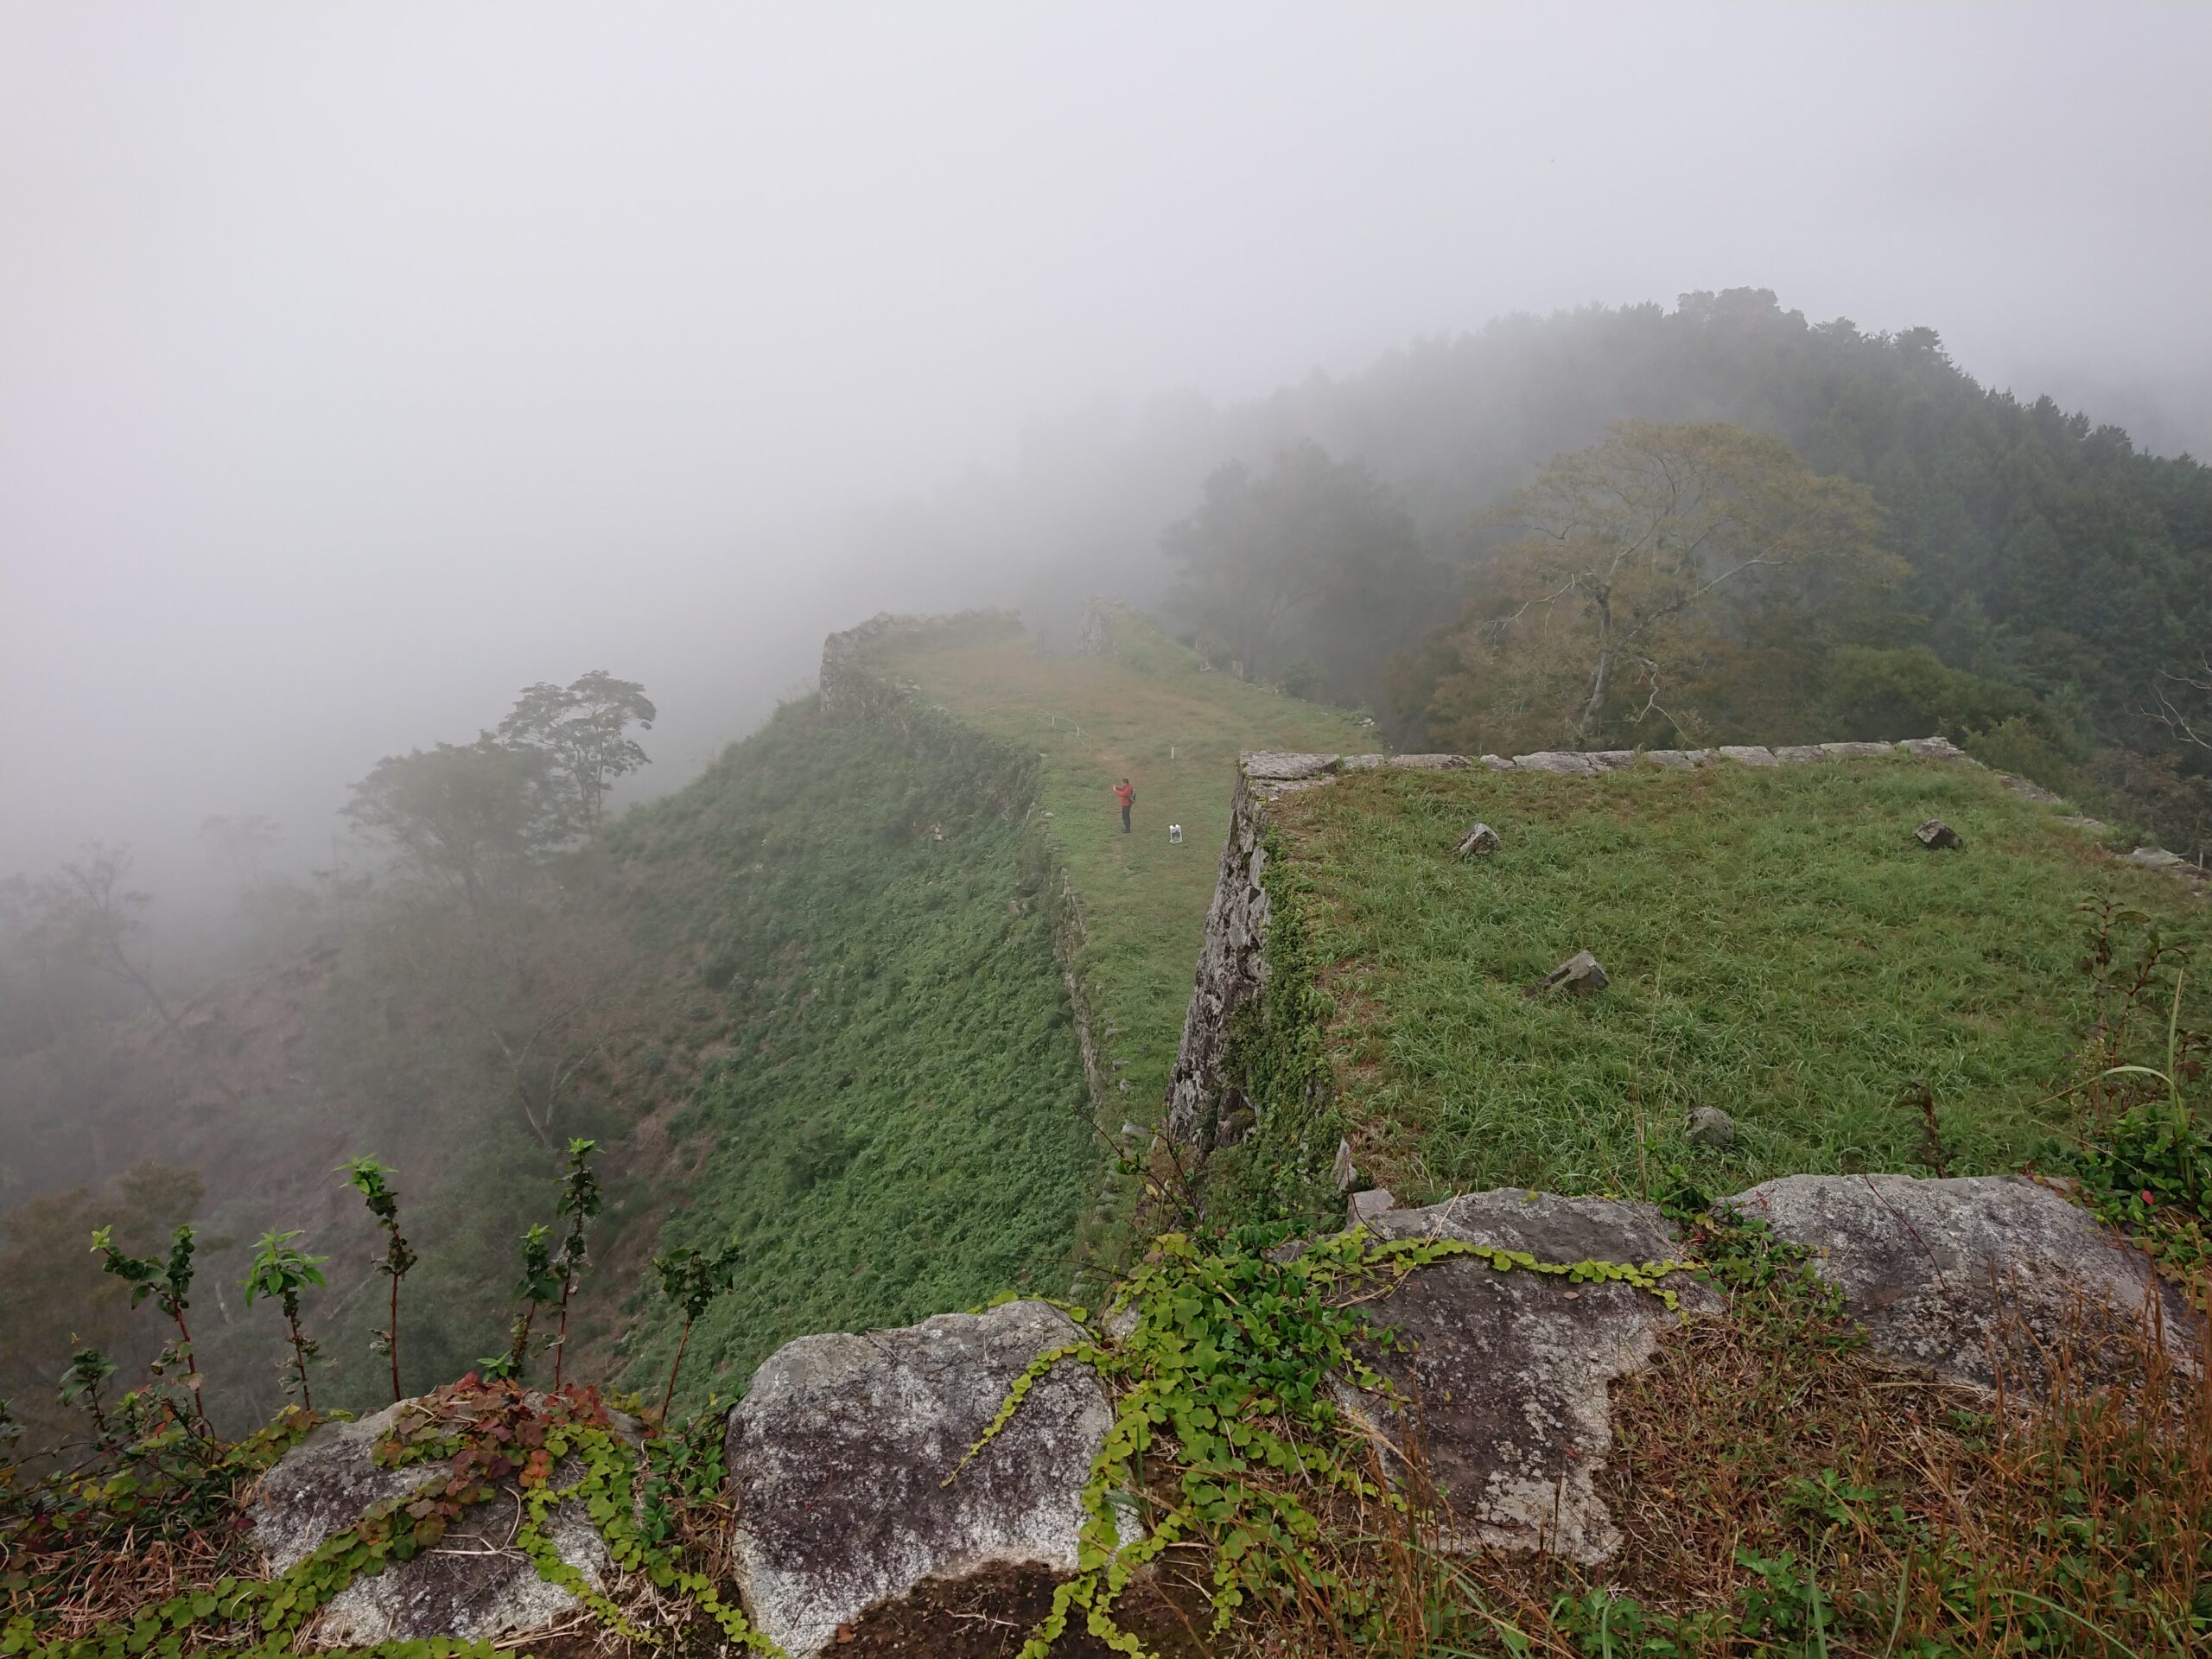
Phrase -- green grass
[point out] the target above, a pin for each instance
(887, 1108)
(1150, 713)
(1779, 947)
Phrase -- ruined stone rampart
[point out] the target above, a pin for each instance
(855, 683)
(1204, 1107)
(869, 1491)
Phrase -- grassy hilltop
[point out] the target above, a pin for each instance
(1779, 947)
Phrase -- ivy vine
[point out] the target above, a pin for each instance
(482, 1433)
(1223, 1362)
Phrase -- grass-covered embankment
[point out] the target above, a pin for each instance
(1151, 714)
(888, 1115)
(1779, 947)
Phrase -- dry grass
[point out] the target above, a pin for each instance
(1780, 1493)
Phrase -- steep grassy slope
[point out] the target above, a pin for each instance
(1779, 947)
(889, 1116)
(1149, 713)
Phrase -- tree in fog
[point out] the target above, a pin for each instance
(1308, 573)
(1640, 563)
(241, 841)
(583, 726)
(470, 820)
(530, 963)
(83, 917)
(2181, 701)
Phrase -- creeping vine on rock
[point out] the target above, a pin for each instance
(1227, 1368)
(482, 1434)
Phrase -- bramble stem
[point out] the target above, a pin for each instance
(669, 1393)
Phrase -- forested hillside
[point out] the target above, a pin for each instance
(2052, 593)
(809, 1009)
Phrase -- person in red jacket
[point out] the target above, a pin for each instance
(1125, 798)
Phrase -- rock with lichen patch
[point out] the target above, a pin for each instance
(845, 1463)
(1366, 1207)
(1579, 975)
(1511, 1372)
(1708, 1126)
(1478, 842)
(1969, 1278)
(476, 1584)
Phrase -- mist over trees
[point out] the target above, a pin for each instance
(2057, 579)
(450, 1004)
(1642, 568)
(1305, 574)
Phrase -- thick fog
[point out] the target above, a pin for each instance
(360, 364)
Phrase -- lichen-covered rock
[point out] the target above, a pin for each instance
(474, 1584)
(1612, 760)
(2156, 858)
(1282, 767)
(1341, 1170)
(1858, 750)
(1366, 1206)
(1672, 760)
(2026, 789)
(1799, 754)
(1509, 1373)
(1748, 754)
(1963, 1279)
(1556, 760)
(842, 1457)
(1932, 748)
(1478, 842)
(1708, 1126)
(1937, 835)
(1430, 762)
(1581, 975)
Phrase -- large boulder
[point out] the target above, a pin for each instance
(1509, 1375)
(474, 1584)
(845, 1463)
(1968, 1279)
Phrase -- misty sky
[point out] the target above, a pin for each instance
(361, 363)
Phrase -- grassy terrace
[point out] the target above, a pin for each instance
(1779, 947)
(1150, 713)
